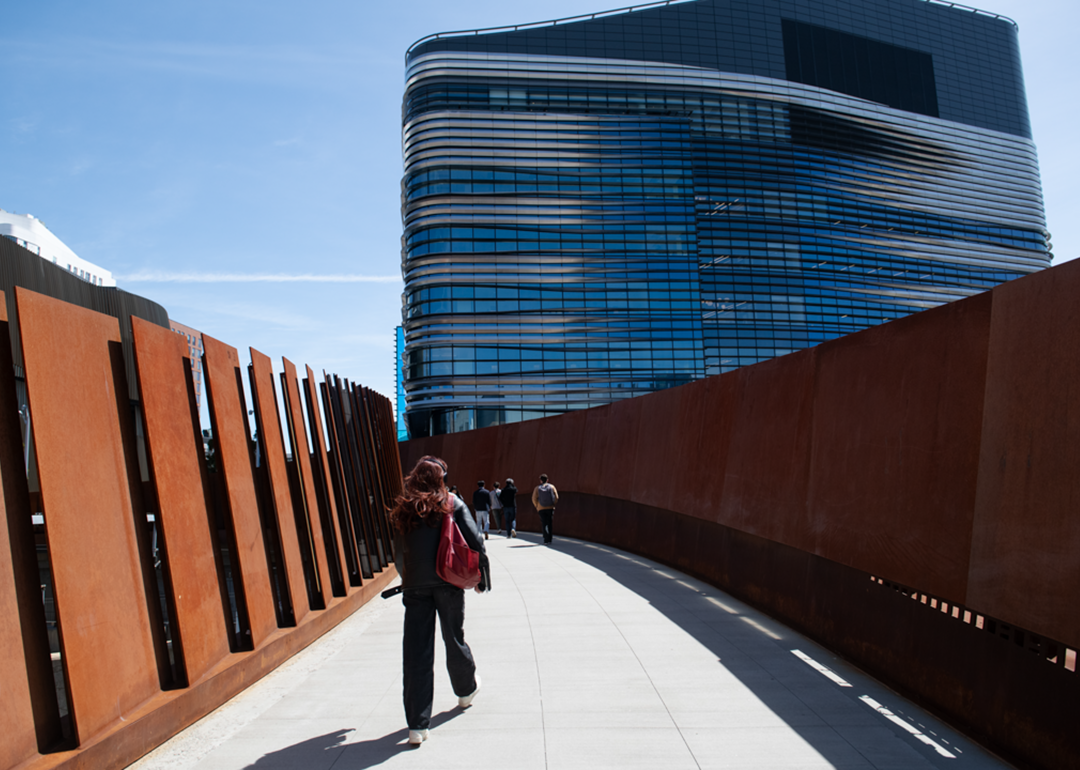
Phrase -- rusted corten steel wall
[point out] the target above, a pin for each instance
(908, 495)
(178, 573)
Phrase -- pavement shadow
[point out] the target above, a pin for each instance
(319, 752)
(702, 611)
(332, 750)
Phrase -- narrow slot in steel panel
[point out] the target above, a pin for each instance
(173, 448)
(28, 707)
(302, 458)
(323, 465)
(221, 368)
(280, 498)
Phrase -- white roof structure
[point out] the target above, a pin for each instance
(31, 233)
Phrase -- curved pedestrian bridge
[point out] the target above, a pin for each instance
(590, 658)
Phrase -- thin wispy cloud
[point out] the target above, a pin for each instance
(153, 276)
(238, 63)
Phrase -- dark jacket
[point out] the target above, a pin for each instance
(481, 499)
(415, 552)
(508, 496)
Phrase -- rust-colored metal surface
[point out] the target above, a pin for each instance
(369, 471)
(624, 436)
(896, 447)
(659, 449)
(28, 709)
(341, 486)
(563, 446)
(174, 450)
(266, 410)
(354, 498)
(597, 448)
(96, 499)
(332, 523)
(767, 469)
(171, 712)
(16, 707)
(367, 483)
(939, 451)
(1025, 558)
(324, 549)
(223, 389)
(75, 390)
(390, 453)
(703, 417)
(375, 448)
(386, 453)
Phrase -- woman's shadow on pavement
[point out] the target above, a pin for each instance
(325, 751)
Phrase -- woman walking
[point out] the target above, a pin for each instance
(417, 518)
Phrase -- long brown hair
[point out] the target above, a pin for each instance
(425, 498)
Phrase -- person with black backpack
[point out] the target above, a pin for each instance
(544, 499)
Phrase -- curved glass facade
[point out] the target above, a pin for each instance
(597, 209)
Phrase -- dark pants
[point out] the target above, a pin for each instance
(510, 517)
(546, 515)
(498, 514)
(418, 649)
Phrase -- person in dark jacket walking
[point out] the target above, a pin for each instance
(417, 520)
(544, 499)
(481, 503)
(508, 497)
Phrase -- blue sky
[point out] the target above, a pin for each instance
(240, 162)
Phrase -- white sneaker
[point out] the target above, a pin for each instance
(513, 533)
(416, 737)
(466, 700)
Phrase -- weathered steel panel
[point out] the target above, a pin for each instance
(272, 443)
(334, 526)
(658, 448)
(16, 707)
(342, 486)
(507, 461)
(29, 716)
(897, 418)
(174, 448)
(594, 449)
(369, 469)
(76, 387)
(617, 461)
(561, 449)
(1025, 560)
(393, 459)
(223, 389)
(343, 447)
(302, 458)
(709, 447)
(769, 465)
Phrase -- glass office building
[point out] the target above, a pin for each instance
(599, 207)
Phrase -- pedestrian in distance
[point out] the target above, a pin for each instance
(481, 502)
(508, 497)
(497, 507)
(544, 499)
(417, 521)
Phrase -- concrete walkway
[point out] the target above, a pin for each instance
(590, 658)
